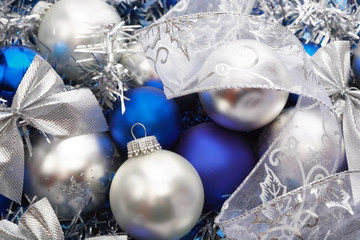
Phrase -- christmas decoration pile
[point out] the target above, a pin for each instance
(205, 119)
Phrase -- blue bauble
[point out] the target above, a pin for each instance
(222, 158)
(156, 83)
(4, 205)
(356, 66)
(292, 100)
(149, 106)
(14, 62)
(310, 48)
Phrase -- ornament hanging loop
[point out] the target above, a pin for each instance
(142, 146)
(132, 130)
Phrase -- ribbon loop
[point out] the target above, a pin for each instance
(41, 102)
(39, 222)
(332, 65)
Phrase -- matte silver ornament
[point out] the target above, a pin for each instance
(69, 24)
(72, 173)
(244, 63)
(314, 138)
(156, 194)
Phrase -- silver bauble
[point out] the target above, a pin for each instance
(72, 173)
(243, 109)
(244, 63)
(135, 60)
(316, 140)
(62, 29)
(157, 196)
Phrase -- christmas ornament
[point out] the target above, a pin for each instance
(4, 205)
(356, 66)
(73, 173)
(222, 158)
(243, 109)
(14, 62)
(310, 48)
(156, 83)
(310, 134)
(149, 106)
(69, 24)
(135, 60)
(155, 194)
(42, 102)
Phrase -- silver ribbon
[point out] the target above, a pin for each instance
(332, 65)
(324, 209)
(40, 101)
(39, 222)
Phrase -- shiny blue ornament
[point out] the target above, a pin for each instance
(223, 159)
(292, 100)
(310, 48)
(149, 106)
(156, 83)
(356, 66)
(14, 62)
(4, 205)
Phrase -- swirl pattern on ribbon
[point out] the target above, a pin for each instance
(324, 209)
(292, 192)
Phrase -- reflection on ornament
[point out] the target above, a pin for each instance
(14, 62)
(73, 173)
(156, 194)
(222, 158)
(4, 205)
(149, 106)
(135, 60)
(156, 83)
(256, 67)
(69, 24)
(243, 109)
(311, 140)
(356, 66)
(310, 48)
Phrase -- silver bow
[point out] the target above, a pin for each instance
(39, 222)
(332, 65)
(40, 101)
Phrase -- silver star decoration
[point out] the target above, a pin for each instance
(76, 189)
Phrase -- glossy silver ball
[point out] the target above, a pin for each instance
(242, 63)
(136, 61)
(243, 109)
(72, 173)
(62, 29)
(158, 196)
(312, 137)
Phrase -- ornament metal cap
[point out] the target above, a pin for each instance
(142, 146)
(41, 8)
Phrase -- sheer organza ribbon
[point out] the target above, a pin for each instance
(286, 196)
(39, 222)
(42, 102)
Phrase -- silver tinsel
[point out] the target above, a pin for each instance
(317, 21)
(17, 23)
(109, 83)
